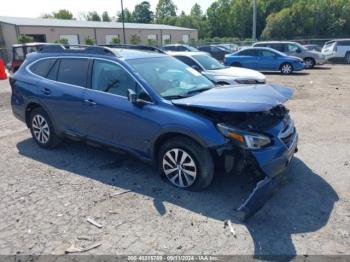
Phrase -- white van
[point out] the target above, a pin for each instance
(337, 50)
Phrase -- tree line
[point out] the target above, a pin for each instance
(276, 19)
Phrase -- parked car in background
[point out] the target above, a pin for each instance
(19, 53)
(313, 47)
(265, 59)
(153, 106)
(217, 72)
(179, 48)
(215, 51)
(311, 58)
(229, 47)
(337, 50)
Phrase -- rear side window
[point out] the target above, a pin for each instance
(248, 52)
(73, 71)
(42, 67)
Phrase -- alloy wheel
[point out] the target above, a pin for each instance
(41, 129)
(179, 167)
(309, 63)
(348, 58)
(286, 69)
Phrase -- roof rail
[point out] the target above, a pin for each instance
(136, 47)
(86, 49)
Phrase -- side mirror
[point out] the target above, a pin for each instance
(132, 97)
(298, 51)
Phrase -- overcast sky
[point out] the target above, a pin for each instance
(34, 8)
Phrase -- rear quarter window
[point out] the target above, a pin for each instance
(42, 67)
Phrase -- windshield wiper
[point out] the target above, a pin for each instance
(174, 97)
(199, 90)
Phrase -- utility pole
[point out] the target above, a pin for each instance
(121, 3)
(254, 21)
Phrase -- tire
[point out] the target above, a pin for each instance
(347, 58)
(236, 64)
(286, 69)
(309, 62)
(42, 129)
(194, 167)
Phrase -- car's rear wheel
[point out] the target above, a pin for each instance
(42, 130)
(286, 69)
(186, 164)
(309, 62)
(347, 58)
(236, 64)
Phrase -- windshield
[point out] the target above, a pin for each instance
(192, 49)
(208, 62)
(302, 47)
(169, 77)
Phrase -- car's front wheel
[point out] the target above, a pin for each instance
(186, 164)
(309, 63)
(42, 130)
(286, 69)
(347, 58)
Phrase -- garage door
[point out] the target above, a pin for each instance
(72, 39)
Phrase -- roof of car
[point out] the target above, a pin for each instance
(187, 53)
(136, 54)
(276, 42)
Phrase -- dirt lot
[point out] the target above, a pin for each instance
(47, 196)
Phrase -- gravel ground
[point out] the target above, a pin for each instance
(47, 196)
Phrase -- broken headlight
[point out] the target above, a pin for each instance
(247, 139)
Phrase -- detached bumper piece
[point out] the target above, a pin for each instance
(262, 192)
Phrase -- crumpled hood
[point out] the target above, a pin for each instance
(239, 98)
(237, 72)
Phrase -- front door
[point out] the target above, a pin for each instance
(109, 117)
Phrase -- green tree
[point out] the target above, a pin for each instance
(219, 18)
(105, 17)
(89, 41)
(196, 10)
(165, 8)
(93, 16)
(135, 39)
(23, 39)
(142, 13)
(127, 16)
(63, 14)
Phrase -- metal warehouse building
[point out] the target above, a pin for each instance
(50, 30)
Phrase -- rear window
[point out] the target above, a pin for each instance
(42, 67)
(73, 71)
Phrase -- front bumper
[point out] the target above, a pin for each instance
(270, 163)
(320, 61)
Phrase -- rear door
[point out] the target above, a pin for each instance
(61, 92)
(267, 60)
(249, 59)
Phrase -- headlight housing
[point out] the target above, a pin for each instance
(245, 139)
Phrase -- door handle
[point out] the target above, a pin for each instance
(45, 91)
(90, 102)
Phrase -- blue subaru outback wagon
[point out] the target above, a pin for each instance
(157, 108)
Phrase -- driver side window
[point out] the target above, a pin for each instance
(111, 78)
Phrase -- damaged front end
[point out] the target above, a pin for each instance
(261, 144)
